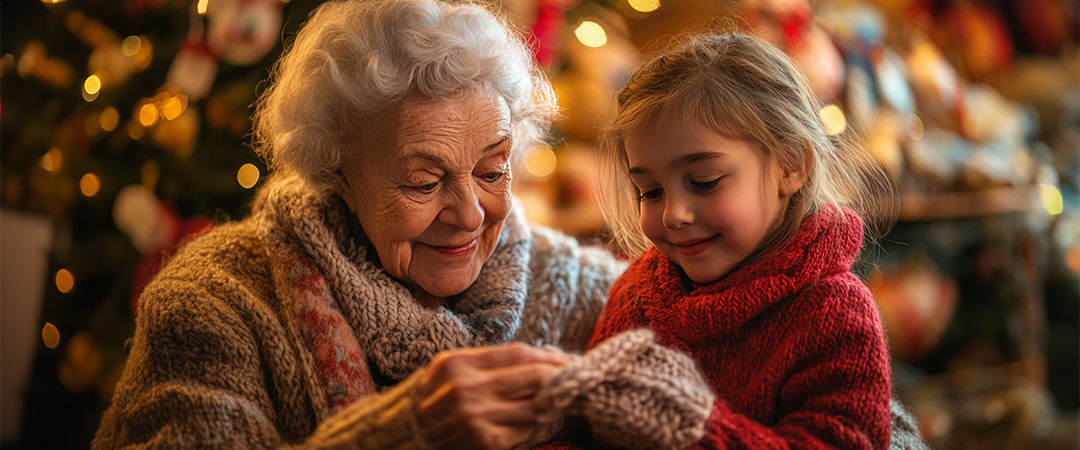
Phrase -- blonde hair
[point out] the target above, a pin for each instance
(742, 89)
(354, 59)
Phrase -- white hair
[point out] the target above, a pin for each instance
(356, 58)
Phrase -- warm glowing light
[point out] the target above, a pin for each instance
(540, 161)
(89, 184)
(148, 114)
(50, 335)
(92, 85)
(172, 108)
(1072, 258)
(915, 127)
(53, 160)
(52, 2)
(247, 176)
(109, 119)
(89, 97)
(131, 45)
(202, 6)
(150, 173)
(591, 34)
(64, 281)
(832, 119)
(645, 5)
(1051, 199)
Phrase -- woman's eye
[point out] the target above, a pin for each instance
(493, 177)
(704, 186)
(426, 188)
(651, 194)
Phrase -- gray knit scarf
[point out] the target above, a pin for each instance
(398, 334)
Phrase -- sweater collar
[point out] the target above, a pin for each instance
(825, 244)
(397, 332)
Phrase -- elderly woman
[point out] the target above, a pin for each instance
(367, 299)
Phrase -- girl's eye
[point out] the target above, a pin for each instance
(651, 195)
(493, 177)
(704, 186)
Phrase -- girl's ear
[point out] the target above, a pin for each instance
(793, 180)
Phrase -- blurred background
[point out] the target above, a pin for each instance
(126, 129)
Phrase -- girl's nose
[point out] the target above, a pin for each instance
(677, 213)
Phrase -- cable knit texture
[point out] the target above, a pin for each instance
(277, 331)
(635, 392)
(791, 344)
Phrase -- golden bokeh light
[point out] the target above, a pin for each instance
(247, 176)
(201, 6)
(109, 119)
(832, 119)
(172, 108)
(64, 281)
(148, 114)
(92, 85)
(540, 161)
(53, 160)
(89, 184)
(591, 34)
(131, 45)
(50, 335)
(645, 5)
(1051, 199)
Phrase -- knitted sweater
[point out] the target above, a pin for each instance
(278, 331)
(791, 344)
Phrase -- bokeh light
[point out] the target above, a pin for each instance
(247, 176)
(50, 335)
(591, 34)
(832, 119)
(64, 281)
(89, 184)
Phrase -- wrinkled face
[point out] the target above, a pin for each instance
(431, 188)
(706, 201)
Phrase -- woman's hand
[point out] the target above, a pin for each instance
(482, 397)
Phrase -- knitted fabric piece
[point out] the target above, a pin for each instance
(905, 432)
(634, 392)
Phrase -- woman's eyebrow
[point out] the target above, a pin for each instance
(491, 147)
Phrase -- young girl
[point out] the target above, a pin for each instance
(724, 186)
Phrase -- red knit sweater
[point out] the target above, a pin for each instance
(791, 343)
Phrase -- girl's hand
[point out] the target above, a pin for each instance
(483, 397)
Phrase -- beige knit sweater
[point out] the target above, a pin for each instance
(218, 361)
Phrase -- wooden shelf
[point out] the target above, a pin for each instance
(967, 204)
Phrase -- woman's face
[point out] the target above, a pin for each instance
(431, 188)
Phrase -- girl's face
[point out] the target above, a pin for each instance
(706, 201)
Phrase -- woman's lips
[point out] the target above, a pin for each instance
(691, 248)
(457, 251)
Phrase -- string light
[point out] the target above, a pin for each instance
(201, 7)
(540, 161)
(109, 119)
(89, 184)
(53, 160)
(832, 119)
(64, 281)
(644, 5)
(50, 335)
(172, 108)
(591, 34)
(148, 114)
(1051, 199)
(247, 176)
(131, 45)
(92, 85)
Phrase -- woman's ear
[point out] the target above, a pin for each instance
(344, 189)
(793, 180)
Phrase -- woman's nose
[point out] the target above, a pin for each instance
(677, 213)
(463, 209)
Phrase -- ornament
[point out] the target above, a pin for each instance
(242, 32)
(193, 70)
(916, 304)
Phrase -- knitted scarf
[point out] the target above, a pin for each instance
(825, 244)
(355, 318)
